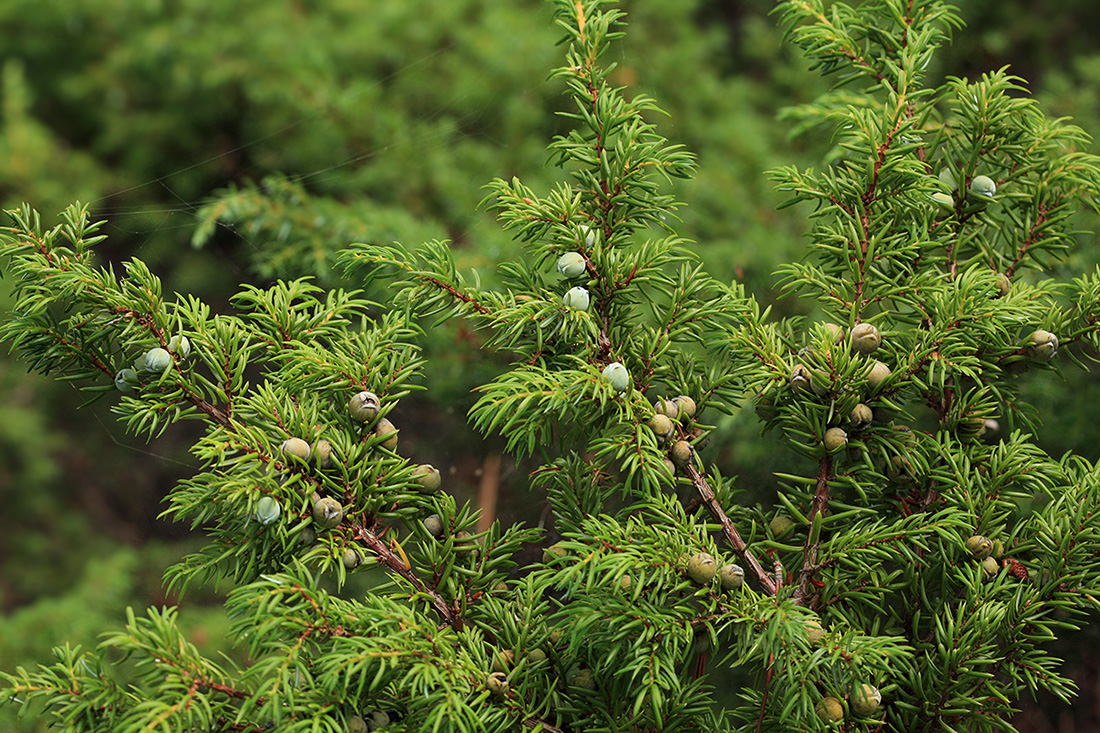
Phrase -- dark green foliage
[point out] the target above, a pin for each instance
(857, 572)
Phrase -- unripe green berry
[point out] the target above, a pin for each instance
(865, 700)
(327, 513)
(983, 186)
(497, 682)
(536, 655)
(351, 558)
(1042, 345)
(830, 709)
(576, 298)
(670, 468)
(126, 380)
(296, 448)
(267, 510)
(944, 201)
(572, 264)
(307, 536)
(814, 633)
(322, 454)
(765, 406)
(980, 547)
(661, 426)
(378, 720)
(731, 576)
(180, 346)
(900, 470)
(363, 406)
(428, 477)
(800, 379)
(781, 526)
(388, 432)
(686, 406)
(947, 178)
(680, 453)
(434, 525)
(156, 360)
(589, 235)
(998, 549)
(865, 338)
(835, 439)
(990, 568)
(504, 660)
(465, 544)
(833, 332)
(617, 376)
(877, 375)
(668, 408)
(1004, 284)
(356, 724)
(702, 568)
(554, 552)
(860, 417)
(582, 679)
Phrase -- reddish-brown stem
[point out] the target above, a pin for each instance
(812, 547)
(767, 583)
(397, 564)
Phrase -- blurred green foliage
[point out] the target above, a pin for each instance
(228, 142)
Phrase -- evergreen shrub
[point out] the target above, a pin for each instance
(908, 579)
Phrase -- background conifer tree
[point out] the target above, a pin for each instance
(915, 558)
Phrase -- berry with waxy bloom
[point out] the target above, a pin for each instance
(572, 264)
(943, 200)
(947, 178)
(589, 235)
(983, 186)
(126, 380)
(180, 346)
(267, 510)
(617, 376)
(156, 360)
(576, 298)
